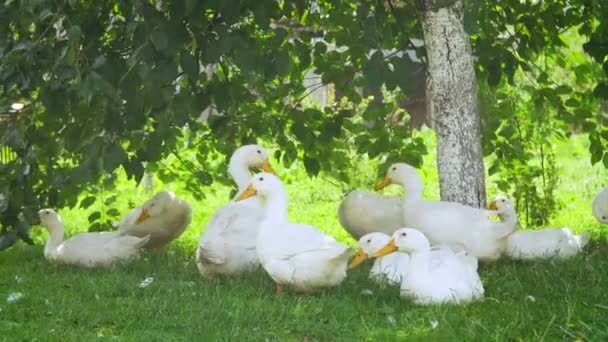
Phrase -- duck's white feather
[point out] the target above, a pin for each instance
(88, 249)
(362, 213)
(293, 254)
(227, 246)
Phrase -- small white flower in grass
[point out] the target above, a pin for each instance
(146, 282)
(18, 279)
(434, 325)
(367, 292)
(13, 297)
(391, 320)
(97, 296)
(530, 299)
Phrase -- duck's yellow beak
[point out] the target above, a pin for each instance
(359, 258)
(388, 249)
(492, 206)
(267, 168)
(386, 181)
(249, 192)
(143, 216)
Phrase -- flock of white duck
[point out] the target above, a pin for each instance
(429, 248)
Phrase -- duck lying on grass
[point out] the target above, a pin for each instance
(537, 244)
(434, 275)
(163, 218)
(87, 249)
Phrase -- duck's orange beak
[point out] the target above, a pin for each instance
(388, 249)
(267, 168)
(492, 206)
(386, 181)
(249, 192)
(359, 258)
(143, 216)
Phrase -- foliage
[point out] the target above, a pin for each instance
(174, 87)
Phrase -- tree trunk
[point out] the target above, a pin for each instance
(453, 103)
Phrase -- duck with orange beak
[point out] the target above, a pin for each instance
(435, 276)
(459, 226)
(164, 217)
(226, 247)
(549, 243)
(391, 268)
(296, 255)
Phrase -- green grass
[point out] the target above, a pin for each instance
(72, 304)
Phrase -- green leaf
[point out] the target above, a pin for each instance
(374, 71)
(159, 39)
(94, 216)
(113, 156)
(87, 202)
(189, 64)
(312, 166)
(572, 102)
(601, 90)
(282, 63)
(110, 199)
(113, 212)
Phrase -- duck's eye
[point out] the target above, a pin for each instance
(261, 179)
(404, 234)
(259, 151)
(502, 200)
(369, 240)
(394, 168)
(603, 217)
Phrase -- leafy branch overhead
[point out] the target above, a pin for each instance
(132, 84)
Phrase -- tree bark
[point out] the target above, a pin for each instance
(453, 102)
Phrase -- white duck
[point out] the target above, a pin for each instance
(362, 212)
(87, 249)
(600, 206)
(458, 226)
(227, 245)
(538, 244)
(434, 276)
(294, 254)
(391, 268)
(164, 217)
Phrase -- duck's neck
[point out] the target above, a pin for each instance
(276, 208)
(413, 187)
(508, 217)
(239, 170)
(55, 230)
(508, 224)
(420, 258)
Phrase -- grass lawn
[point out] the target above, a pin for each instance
(524, 301)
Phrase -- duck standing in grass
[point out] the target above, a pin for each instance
(458, 226)
(391, 268)
(294, 254)
(434, 276)
(537, 244)
(164, 217)
(87, 249)
(227, 246)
